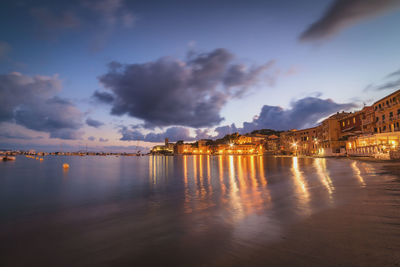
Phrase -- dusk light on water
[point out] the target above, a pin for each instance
(200, 133)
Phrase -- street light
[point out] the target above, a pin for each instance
(295, 147)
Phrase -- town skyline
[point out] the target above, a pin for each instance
(233, 68)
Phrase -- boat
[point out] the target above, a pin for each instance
(7, 158)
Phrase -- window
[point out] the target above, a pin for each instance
(348, 122)
(383, 117)
(384, 128)
(387, 103)
(343, 124)
(354, 120)
(376, 107)
(375, 130)
(391, 114)
(398, 111)
(380, 106)
(377, 119)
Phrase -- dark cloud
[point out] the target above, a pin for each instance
(173, 134)
(48, 18)
(387, 85)
(12, 134)
(303, 113)
(344, 13)
(31, 102)
(101, 139)
(51, 22)
(100, 17)
(224, 130)
(395, 73)
(108, 15)
(104, 97)
(94, 123)
(91, 138)
(173, 92)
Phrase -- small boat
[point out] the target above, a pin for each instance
(7, 158)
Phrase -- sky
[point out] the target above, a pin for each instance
(115, 75)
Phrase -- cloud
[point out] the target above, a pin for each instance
(173, 134)
(100, 17)
(345, 13)
(103, 97)
(5, 133)
(103, 139)
(392, 84)
(50, 21)
(395, 73)
(388, 85)
(109, 14)
(32, 103)
(5, 48)
(94, 123)
(303, 113)
(224, 130)
(91, 138)
(171, 92)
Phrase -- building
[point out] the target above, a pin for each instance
(350, 124)
(272, 144)
(329, 136)
(299, 142)
(374, 145)
(237, 149)
(368, 120)
(166, 149)
(387, 113)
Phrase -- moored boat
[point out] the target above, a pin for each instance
(7, 158)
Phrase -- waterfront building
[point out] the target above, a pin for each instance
(368, 120)
(299, 142)
(350, 124)
(387, 113)
(166, 149)
(237, 149)
(384, 145)
(272, 144)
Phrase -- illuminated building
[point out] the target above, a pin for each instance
(299, 142)
(387, 113)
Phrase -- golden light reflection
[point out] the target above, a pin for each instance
(221, 175)
(236, 201)
(187, 207)
(357, 173)
(209, 173)
(300, 183)
(253, 172)
(323, 174)
(240, 180)
(263, 178)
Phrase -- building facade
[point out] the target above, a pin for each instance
(387, 113)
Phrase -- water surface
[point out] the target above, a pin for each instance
(185, 210)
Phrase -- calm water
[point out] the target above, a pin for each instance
(184, 210)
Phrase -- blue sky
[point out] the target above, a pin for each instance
(272, 69)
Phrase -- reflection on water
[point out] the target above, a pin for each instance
(223, 204)
(323, 174)
(357, 173)
(300, 185)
